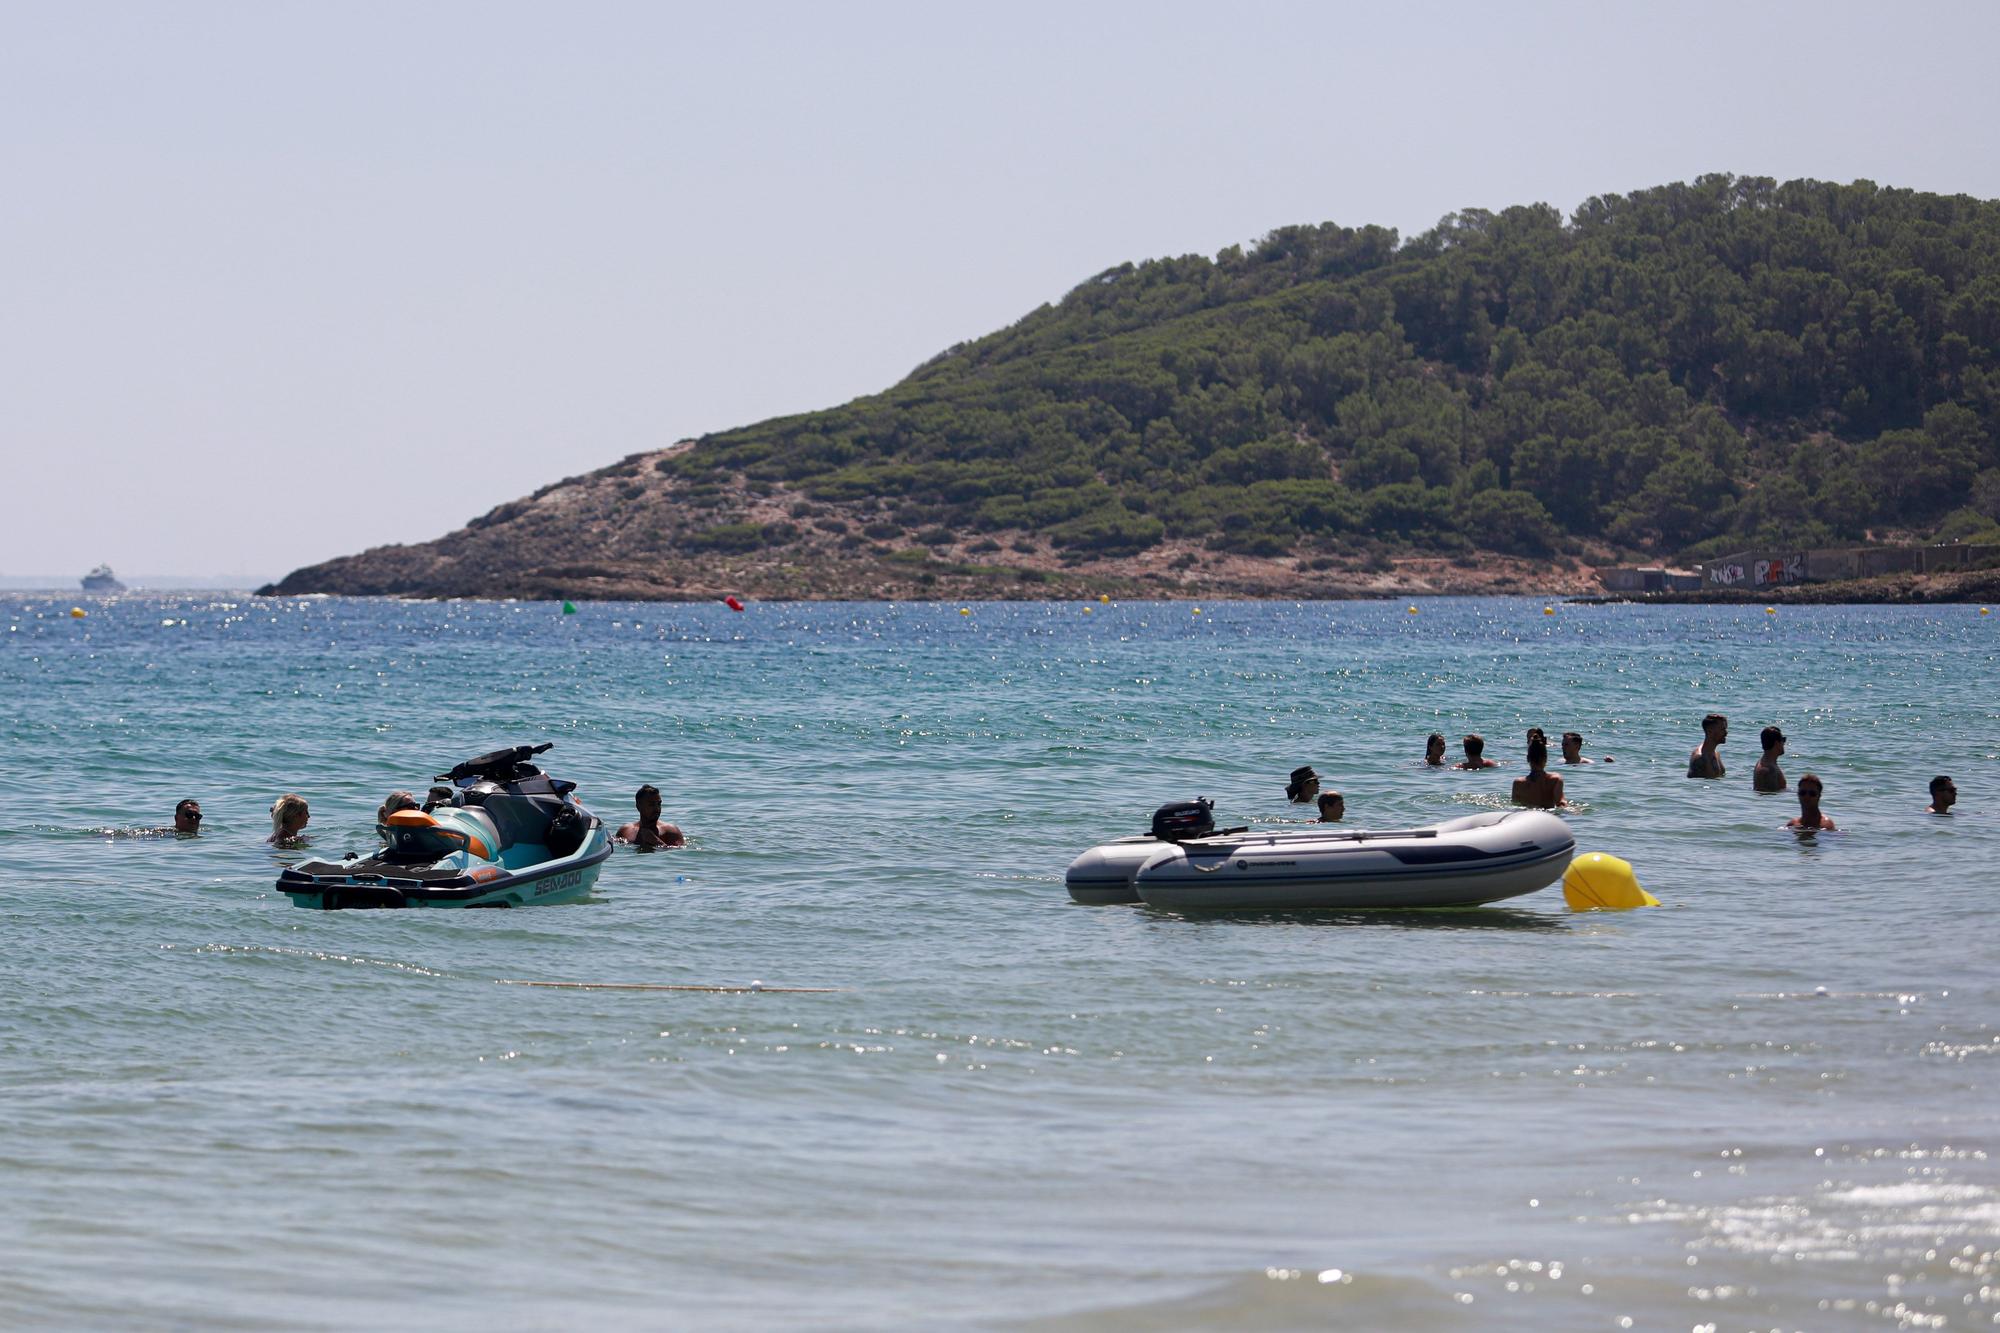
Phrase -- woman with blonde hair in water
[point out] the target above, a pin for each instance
(288, 820)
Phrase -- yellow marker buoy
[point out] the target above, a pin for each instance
(1548, 610)
(1985, 611)
(1601, 882)
(1413, 610)
(77, 613)
(1088, 609)
(965, 610)
(1197, 610)
(1770, 610)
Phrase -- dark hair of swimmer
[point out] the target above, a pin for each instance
(1769, 737)
(644, 794)
(1474, 746)
(1538, 753)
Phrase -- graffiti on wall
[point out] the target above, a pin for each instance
(1764, 572)
(1779, 569)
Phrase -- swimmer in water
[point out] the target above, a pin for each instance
(1572, 744)
(1475, 753)
(1944, 795)
(1767, 776)
(1703, 760)
(1434, 750)
(289, 817)
(1810, 819)
(1303, 787)
(398, 800)
(1332, 807)
(647, 830)
(187, 818)
(1541, 789)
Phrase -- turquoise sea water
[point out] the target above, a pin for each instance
(1772, 1102)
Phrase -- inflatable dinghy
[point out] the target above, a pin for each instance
(1480, 858)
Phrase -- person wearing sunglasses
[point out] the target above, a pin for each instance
(187, 818)
(1810, 818)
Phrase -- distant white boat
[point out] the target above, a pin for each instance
(102, 579)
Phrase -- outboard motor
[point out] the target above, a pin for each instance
(1178, 821)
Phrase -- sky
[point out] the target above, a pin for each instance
(282, 281)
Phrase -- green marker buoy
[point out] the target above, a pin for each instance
(569, 608)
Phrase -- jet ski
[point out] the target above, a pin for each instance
(501, 833)
(1186, 864)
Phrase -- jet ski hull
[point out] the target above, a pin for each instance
(371, 882)
(454, 881)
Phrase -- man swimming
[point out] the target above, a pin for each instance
(187, 818)
(1434, 750)
(647, 830)
(1944, 795)
(1541, 789)
(1572, 748)
(1475, 753)
(1332, 807)
(1767, 776)
(1703, 760)
(1810, 818)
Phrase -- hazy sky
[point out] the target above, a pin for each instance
(282, 281)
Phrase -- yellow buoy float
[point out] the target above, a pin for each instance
(77, 613)
(1985, 610)
(1548, 610)
(1104, 599)
(1413, 610)
(1770, 610)
(965, 610)
(1601, 882)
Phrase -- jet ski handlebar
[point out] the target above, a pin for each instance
(495, 762)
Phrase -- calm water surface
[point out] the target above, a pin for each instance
(1770, 1103)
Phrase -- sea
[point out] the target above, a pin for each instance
(925, 1090)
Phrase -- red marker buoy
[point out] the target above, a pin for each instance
(732, 603)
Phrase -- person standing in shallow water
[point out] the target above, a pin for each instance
(1767, 776)
(1572, 750)
(1705, 760)
(1944, 795)
(289, 817)
(1811, 819)
(1541, 789)
(1475, 753)
(1332, 807)
(647, 830)
(1434, 750)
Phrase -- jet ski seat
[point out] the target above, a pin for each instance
(521, 819)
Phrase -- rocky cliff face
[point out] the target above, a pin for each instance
(635, 532)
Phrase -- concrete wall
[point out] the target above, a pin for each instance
(1776, 568)
(1649, 578)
